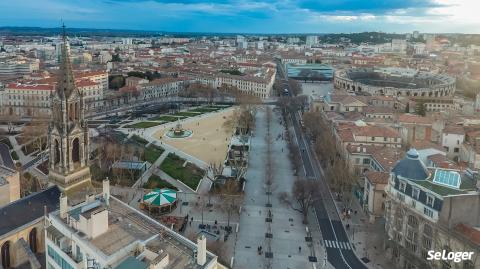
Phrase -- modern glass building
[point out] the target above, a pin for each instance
(310, 72)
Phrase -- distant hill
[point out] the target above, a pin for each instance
(34, 31)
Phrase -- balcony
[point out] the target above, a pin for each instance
(63, 244)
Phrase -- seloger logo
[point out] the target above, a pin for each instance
(449, 256)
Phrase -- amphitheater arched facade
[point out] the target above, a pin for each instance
(437, 86)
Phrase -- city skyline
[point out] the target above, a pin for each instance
(446, 16)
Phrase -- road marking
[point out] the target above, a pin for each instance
(337, 244)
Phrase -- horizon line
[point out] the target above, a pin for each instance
(227, 33)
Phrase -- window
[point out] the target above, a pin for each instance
(411, 246)
(430, 200)
(468, 265)
(427, 242)
(357, 160)
(456, 150)
(400, 197)
(428, 212)
(366, 161)
(373, 138)
(415, 193)
(402, 186)
(427, 230)
(412, 221)
(58, 259)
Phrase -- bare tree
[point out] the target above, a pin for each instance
(242, 121)
(201, 205)
(230, 199)
(216, 168)
(304, 193)
(295, 86)
(197, 89)
(36, 132)
(10, 121)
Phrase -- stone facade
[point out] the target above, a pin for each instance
(68, 132)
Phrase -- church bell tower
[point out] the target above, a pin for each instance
(68, 131)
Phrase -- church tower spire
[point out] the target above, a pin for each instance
(66, 81)
(68, 131)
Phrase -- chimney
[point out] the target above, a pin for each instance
(106, 190)
(201, 250)
(63, 206)
(358, 149)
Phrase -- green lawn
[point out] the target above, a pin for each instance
(139, 139)
(187, 114)
(14, 155)
(205, 109)
(143, 124)
(155, 181)
(220, 106)
(152, 153)
(190, 174)
(168, 118)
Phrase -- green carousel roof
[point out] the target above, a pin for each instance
(160, 197)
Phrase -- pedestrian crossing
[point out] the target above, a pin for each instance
(337, 244)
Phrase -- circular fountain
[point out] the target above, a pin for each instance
(179, 132)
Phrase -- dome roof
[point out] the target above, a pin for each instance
(411, 167)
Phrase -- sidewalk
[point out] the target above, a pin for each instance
(146, 175)
(367, 238)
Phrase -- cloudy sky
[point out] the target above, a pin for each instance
(248, 16)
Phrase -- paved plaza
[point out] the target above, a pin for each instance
(288, 232)
(209, 141)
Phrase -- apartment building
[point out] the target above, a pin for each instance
(372, 165)
(162, 87)
(452, 139)
(359, 134)
(18, 68)
(31, 98)
(431, 209)
(98, 76)
(259, 84)
(104, 232)
(470, 149)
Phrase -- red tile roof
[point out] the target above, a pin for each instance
(376, 131)
(85, 83)
(42, 87)
(377, 177)
(424, 144)
(409, 118)
(452, 129)
(83, 74)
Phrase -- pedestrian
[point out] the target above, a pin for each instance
(299, 249)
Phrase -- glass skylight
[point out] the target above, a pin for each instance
(447, 178)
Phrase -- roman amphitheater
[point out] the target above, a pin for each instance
(394, 81)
